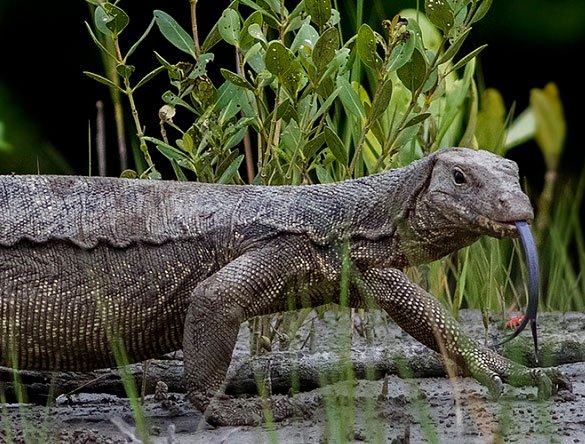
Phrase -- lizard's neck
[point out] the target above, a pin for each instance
(381, 230)
(426, 235)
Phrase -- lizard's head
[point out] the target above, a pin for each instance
(478, 191)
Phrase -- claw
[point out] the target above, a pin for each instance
(563, 383)
(546, 388)
(550, 381)
(495, 388)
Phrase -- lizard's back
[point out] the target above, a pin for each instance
(87, 261)
(118, 212)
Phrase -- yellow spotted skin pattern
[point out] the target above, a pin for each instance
(89, 264)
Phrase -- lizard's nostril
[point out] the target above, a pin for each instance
(503, 202)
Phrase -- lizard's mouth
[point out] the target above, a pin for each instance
(498, 229)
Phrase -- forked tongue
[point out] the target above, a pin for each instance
(533, 284)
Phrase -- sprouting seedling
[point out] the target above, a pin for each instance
(533, 285)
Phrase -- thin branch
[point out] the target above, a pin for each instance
(194, 27)
(100, 141)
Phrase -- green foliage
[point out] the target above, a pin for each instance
(292, 94)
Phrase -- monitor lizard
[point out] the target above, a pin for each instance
(89, 263)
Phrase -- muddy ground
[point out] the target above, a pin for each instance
(426, 408)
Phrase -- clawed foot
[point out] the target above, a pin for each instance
(252, 411)
(493, 371)
(549, 381)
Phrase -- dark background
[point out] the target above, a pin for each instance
(46, 102)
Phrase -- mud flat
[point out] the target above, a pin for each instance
(425, 408)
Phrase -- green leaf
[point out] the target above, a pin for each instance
(551, 127)
(142, 37)
(454, 48)
(231, 170)
(238, 132)
(402, 53)
(236, 79)
(100, 19)
(350, 98)
(103, 80)
(323, 175)
(381, 100)
(339, 63)
(306, 36)
(278, 58)
(274, 5)
(255, 57)
(467, 139)
(416, 119)
(99, 44)
(172, 99)
(170, 152)
(286, 111)
(128, 174)
(269, 18)
(440, 13)
(327, 103)
(187, 142)
(432, 80)
(481, 10)
(212, 39)
(465, 60)
(453, 102)
(229, 27)
(336, 146)
(290, 137)
(178, 172)
(232, 99)
(366, 47)
(313, 145)
(521, 129)
(200, 68)
(148, 77)
(491, 117)
(255, 18)
(412, 74)
(164, 63)
(281, 62)
(125, 71)
(173, 32)
(112, 19)
(319, 10)
(255, 31)
(325, 48)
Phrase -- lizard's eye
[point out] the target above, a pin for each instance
(458, 177)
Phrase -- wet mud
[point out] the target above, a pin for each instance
(428, 407)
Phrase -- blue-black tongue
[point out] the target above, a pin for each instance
(533, 284)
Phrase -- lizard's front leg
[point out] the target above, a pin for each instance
(253, 284)
(424, 318)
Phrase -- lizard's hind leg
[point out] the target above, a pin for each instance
(252, 284)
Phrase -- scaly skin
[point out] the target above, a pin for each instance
(86, 263)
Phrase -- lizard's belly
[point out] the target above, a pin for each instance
(65, 308)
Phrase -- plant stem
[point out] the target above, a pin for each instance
(139, 131)
(194, 27)
(100, 138)
(247, 143)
